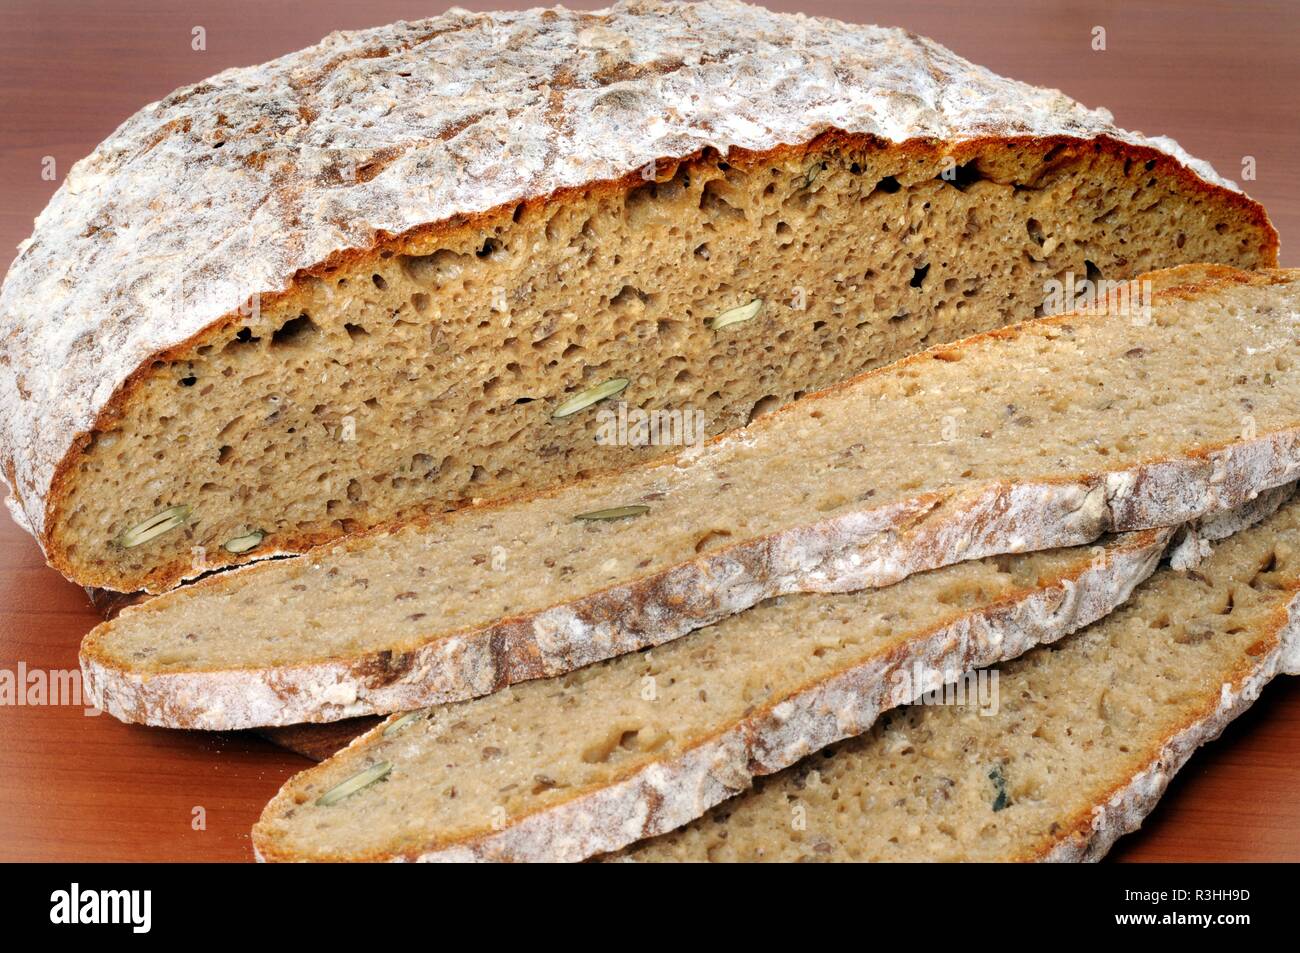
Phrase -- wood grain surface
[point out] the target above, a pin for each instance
(1221, 77)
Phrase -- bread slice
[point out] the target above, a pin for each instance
(306, 298)
(562, 769)
(1047, 434)
(1088, 734)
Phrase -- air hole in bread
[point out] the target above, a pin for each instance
(963, 176)
(293, 331)
(888, 185)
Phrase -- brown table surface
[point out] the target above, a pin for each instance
(1221, 77)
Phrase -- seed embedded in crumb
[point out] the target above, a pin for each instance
(615, 513)
(355, 783)
(153, 527)
(400, 723)
(736, 315)
(592, 395)
(242, 544)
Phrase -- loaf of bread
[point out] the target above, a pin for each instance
(397, 270)
(1045, 434)
(1086, 738)
(562, 769)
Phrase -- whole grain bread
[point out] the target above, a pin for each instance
(1046, 434)
(1088, 734)
(386, 272)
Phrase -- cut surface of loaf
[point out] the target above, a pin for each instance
(369, 292)
(1046, 434)
(562, 769)
(1087, 734)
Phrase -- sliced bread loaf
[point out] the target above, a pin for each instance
(1087, 735)
(384, 273)
(1047, 434)
(562, 769)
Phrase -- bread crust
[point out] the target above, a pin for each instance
(935, 104)
(861, 549)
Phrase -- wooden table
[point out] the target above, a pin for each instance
(1221, 77)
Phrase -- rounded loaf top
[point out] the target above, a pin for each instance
(226, 188)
